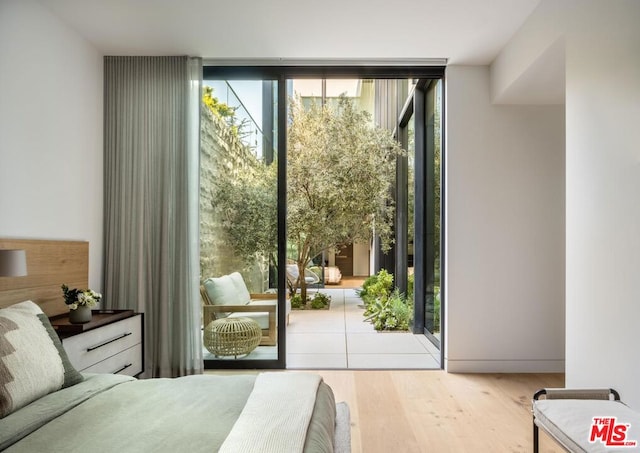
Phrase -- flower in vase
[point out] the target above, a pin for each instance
(75, 298)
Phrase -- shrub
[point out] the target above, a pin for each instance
(391, 313)
(410, 284)
(368, 282)
(376, 287)
(296, 301)
(320, 301)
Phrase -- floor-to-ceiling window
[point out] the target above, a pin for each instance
(433, 210)
(420, 130)
(406, 197)
(239, 183)
(243, 195)
(433, 297)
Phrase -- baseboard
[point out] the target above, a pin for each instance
(504, 366)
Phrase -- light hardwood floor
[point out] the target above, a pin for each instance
(431, 411)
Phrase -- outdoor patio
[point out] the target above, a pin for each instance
(340, 338)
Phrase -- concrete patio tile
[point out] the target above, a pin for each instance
(312, 343)
(357, 324)
(309, 324)
(336, 307)
(354, 314)
(355, 307)
(354, 304)
(383, 343)
(430, 347)
(315, 314)
(392, 361)
(339, 338)
(316, 361)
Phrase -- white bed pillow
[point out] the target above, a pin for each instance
(33, 362)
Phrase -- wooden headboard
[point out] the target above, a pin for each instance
(49, 265)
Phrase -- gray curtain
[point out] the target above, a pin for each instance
(151, 135)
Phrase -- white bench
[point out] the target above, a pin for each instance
(586, 420)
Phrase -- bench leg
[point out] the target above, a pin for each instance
(535, 438)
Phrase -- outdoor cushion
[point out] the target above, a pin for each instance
(224, 291)
(261, 318)
(231, 290)
(242, 292)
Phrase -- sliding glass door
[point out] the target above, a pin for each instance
(239, 187)
(243, 202)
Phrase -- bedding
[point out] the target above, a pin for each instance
(119, 413)
(47, 406)
(281, 404)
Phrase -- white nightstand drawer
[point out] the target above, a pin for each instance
(93, 346)
(127, 362)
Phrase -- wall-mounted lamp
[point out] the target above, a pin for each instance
(13, 263)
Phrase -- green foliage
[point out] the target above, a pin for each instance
(391, 313)
(376, 287)
(364, 292)
(340, 169)
(247, 208)
(320, 301)
(386, 308)
(410, 285)
(296, 301)
(219, 109)
(224, 112)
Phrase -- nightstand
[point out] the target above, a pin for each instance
(110, 343)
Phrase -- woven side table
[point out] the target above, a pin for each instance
(232, 336)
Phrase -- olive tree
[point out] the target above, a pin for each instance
(246, 205)
(339, 172)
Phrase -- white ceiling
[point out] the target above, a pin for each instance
(463, 31)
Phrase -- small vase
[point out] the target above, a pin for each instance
(80, 315)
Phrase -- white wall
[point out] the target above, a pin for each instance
(528, 51)
(505, 230)
(50, 131)
(603, 198)
(602, 41)
(361, 259)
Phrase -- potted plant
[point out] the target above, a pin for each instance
(80, 302)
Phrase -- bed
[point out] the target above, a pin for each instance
(46, 405)
(108, 412)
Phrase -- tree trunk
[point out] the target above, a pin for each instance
(302, 283)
